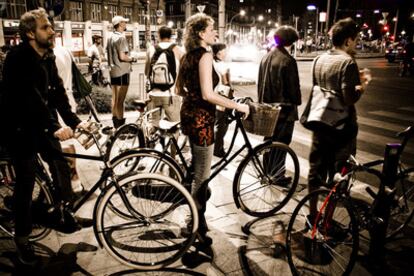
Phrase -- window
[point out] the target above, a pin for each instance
(170, 9)
(141, 16)
(75, 8)
(112, 10)
(153, 18)
(15, 8)
(128, 12)
(96, 12)
(182, 6)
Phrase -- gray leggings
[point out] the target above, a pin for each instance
(202, 157)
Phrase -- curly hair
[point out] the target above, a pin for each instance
(28, 22)
(193, 26)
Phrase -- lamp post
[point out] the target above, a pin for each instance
(229, 30)
(313, 8)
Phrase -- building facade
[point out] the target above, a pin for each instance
(77, 21)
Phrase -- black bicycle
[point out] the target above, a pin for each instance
(142, 232)
(259, 189)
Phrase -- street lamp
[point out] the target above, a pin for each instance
(241, 13)
(313, 8)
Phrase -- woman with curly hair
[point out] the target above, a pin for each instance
(195, 83)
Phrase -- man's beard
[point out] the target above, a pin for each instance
(45, 44)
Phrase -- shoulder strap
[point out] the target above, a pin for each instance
(313, 71)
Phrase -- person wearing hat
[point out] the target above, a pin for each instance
(120, 68)
(279, 83)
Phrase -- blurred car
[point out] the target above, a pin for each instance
(394, 52)
(243, 52)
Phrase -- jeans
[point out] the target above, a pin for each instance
(201, 162)
(274, 161)
(25, 168)
(327, 156)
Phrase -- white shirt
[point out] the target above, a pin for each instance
(64, 65)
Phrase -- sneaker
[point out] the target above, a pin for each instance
(25, 253)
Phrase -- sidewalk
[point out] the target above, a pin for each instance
(236, 252)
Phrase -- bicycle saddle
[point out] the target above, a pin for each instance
(167, 125)
(140, 104)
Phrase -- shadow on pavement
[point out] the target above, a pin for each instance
(62, 263)
(164, 271)
(265, 250)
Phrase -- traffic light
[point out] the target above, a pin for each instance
(385, 28)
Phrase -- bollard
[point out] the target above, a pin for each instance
(391, 160)
(381, 206)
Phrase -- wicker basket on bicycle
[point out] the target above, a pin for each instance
(262, 120)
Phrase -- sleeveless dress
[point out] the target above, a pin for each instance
(197, 115)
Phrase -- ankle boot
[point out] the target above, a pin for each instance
(118, 122)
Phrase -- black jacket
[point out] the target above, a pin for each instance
(33, 94)
(280, 82)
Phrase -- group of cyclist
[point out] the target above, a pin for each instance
(33, 96)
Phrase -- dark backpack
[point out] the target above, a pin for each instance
(162, 68)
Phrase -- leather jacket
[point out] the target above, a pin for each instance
(279, 81)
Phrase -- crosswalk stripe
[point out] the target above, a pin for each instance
(407, 108)
(393, 115)
(382, 124)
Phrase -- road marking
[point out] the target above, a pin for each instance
(393, 115)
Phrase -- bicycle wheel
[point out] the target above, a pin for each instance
(147, 161)
(328, 243)
(129, 136)
(402, 209)
(162, 225)
(261, 189)
(41, 196)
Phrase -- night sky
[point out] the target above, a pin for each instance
(351, 7)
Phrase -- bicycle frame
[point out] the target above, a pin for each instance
(224, 161)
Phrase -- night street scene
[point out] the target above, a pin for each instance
(220, 137)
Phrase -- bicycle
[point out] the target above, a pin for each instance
(258, 190)
(324, 230)
(144, 233)
(140, 134)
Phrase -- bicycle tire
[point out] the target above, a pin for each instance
(166, 163)
(162, 163)
(328, 247)
(129, 136)
(40, 193)
(259, 193)
(402, 210)
(145, 242)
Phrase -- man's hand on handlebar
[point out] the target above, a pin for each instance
(63, 133)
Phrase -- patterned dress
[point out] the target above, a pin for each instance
(197, 115)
